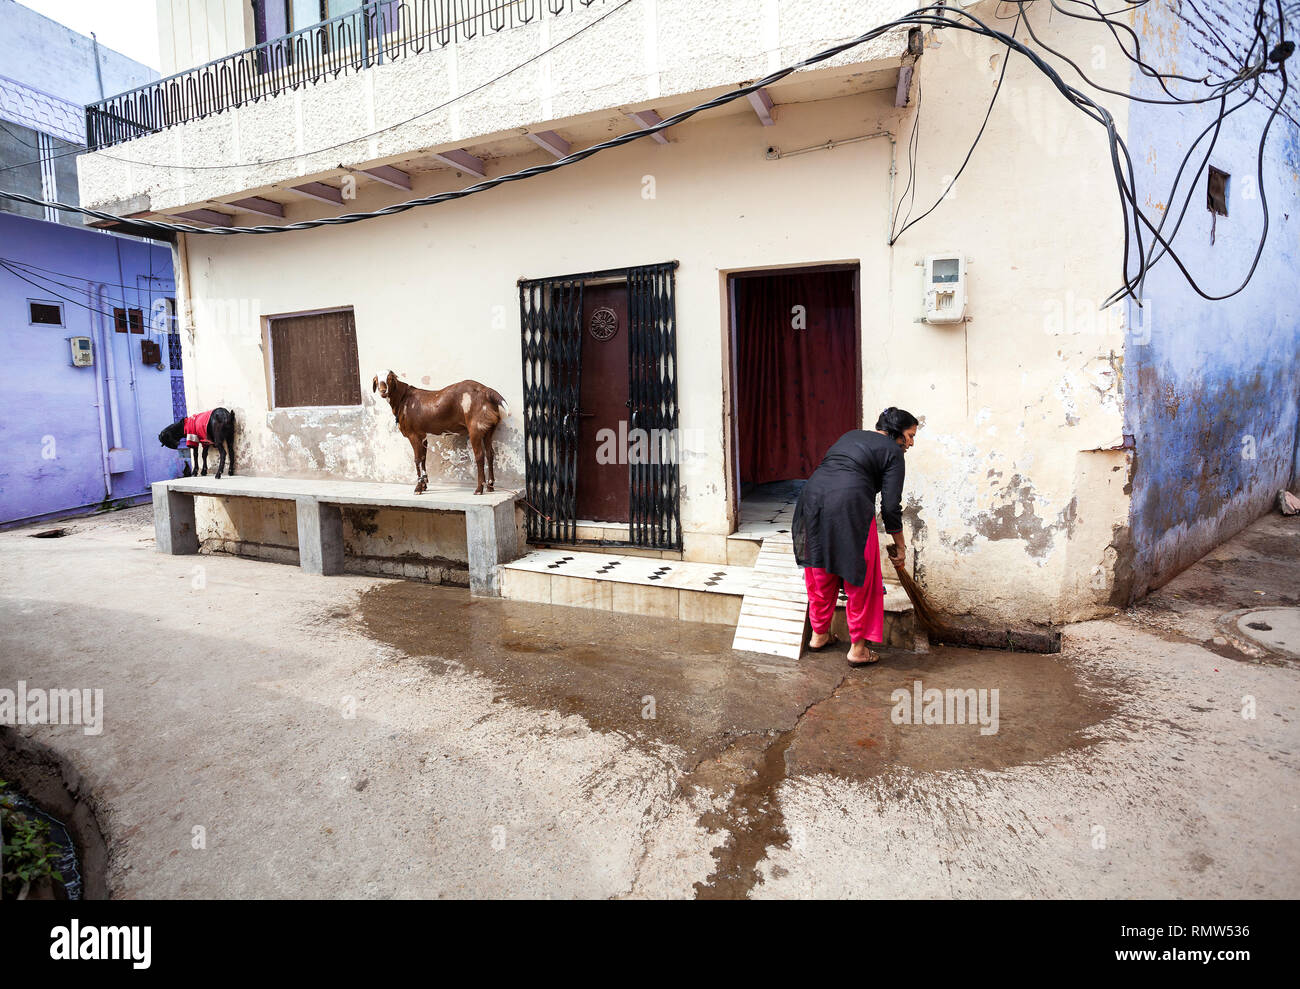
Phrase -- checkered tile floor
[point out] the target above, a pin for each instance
(768, 512)
(712, 577)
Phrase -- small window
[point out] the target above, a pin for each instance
(314, 359)
(128, 319)
(44, 313)
(1216, 192)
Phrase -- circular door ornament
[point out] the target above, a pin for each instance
(604, 323)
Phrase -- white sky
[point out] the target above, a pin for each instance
(128, 26)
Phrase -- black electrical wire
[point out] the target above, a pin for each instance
(49, 291)
(31, 269)
(975, 143)
(1131, 282)
(486, 184)
(1162, 246)
(913, 145)
(936, 16)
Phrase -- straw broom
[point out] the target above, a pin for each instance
(939, 630)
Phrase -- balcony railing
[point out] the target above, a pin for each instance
(380, 31)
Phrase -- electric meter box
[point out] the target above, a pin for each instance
(945, 288)
(82, 354)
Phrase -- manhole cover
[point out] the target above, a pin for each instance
(1274, 628)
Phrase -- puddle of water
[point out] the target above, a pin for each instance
(602, 665)
(746, 723)
(1041, 710)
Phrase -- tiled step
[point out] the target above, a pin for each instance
(694, 592)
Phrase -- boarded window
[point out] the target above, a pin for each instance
(314, 359)
(1216, 192)
(124, 319)
(44, 314)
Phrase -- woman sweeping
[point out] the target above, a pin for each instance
(835, 530)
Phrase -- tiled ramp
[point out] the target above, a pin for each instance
(774, 608)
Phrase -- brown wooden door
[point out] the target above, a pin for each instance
(602, 488)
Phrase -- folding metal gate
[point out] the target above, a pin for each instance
(551, 320)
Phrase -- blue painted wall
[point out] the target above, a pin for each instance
(1211, 387)
(50, 459)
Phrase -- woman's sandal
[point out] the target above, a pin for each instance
(875, 658)
(834, 640)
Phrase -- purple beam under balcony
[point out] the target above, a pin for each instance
(762, 104)
(209, 216)
(462, 159)
(257, 204)
(549, 141)
(648, 118)
(388, 175)
(319, 190)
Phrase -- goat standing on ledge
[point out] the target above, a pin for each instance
(467, 408)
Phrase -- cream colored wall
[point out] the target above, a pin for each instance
(1015, 497)
(486, 89)
(192, 32)
(436, 299)
(1015, 476)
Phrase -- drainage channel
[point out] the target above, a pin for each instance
(68, 864)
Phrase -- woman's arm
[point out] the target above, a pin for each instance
(891, 502)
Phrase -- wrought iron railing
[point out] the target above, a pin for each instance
(379, 31)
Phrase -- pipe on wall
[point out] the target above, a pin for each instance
(110, 368)
(136, 396)
(97, 333)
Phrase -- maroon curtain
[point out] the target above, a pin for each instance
(797, 387)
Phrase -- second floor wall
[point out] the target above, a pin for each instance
(273, 124)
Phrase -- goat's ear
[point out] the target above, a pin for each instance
(374, 383)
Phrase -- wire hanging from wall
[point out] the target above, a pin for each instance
(1143, 239)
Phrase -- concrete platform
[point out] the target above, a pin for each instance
(442, 497)
(491, 536)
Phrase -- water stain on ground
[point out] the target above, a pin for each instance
(744, 723)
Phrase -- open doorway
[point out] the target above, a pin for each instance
(795, 384)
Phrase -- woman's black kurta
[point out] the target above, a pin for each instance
(837, 506)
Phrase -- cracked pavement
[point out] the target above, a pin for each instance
(354, 736)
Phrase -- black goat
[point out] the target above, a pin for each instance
(215, 428)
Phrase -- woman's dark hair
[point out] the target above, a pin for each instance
(895, 422)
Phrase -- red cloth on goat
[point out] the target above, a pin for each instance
(196, 429)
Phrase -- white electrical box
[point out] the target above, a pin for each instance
(945, 288)
(82, 354)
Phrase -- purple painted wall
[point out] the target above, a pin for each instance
(50, 436)
(1212, 388)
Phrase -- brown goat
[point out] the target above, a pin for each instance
(467, 408)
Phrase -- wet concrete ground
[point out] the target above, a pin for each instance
(740, 723)
(506, 749)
